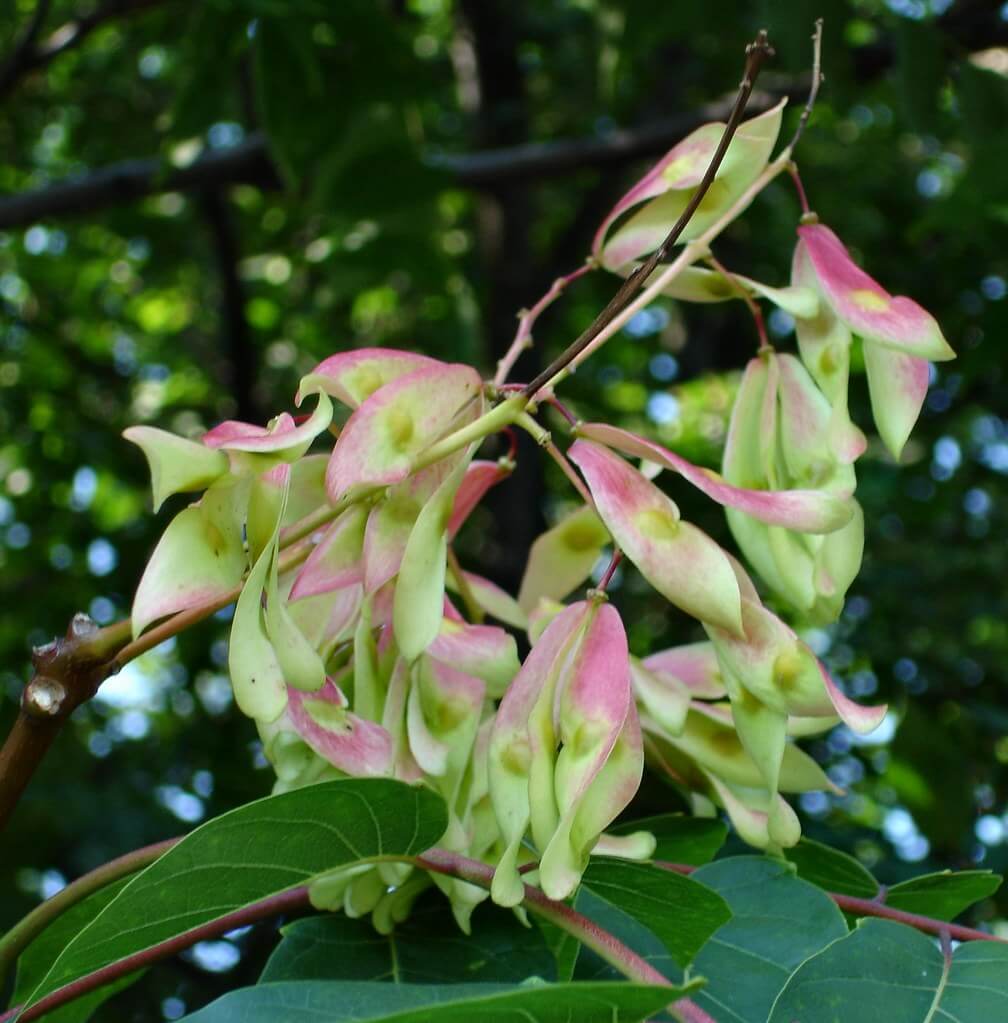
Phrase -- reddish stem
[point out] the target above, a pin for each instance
(296, 898)
(610, 571)
(751, 303)
(799, 187)
(589, 933)
(873, 907)
(869, 907)
(568, 470)
(563, 410)
(23, 933)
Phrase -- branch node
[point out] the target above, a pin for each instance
(81, 626)
(44, 698)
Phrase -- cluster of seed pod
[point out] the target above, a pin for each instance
(353, 659)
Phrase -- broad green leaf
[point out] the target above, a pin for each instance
(362, 1002)
(36, 960)
(886, 971)
(259, 849)
(428, 948)
(943, 895)
(680, 912)
(286, 70)
(681, 839)
(590, 966)
(563, 946)
(832, 869)
(777, 922)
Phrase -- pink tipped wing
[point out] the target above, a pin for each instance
(810, 511)
(479, 478)
(354, 376)
(336, 560)
(360, 748)
(681, 562)
(865, 306)
(695, 665)
(897, 386)
(383, 437)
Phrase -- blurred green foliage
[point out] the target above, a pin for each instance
(357, 224)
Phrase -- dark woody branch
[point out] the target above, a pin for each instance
(249, 163)
(30, 55)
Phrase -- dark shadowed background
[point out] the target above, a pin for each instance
(198, 202)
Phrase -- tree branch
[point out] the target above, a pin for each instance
(241, 353)
(245, 163)
(10, 71)
(67, 673)
(249, 163)
(28, 56)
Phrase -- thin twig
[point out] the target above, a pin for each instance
(757, 52)
(869, 907)
(799, 187)
(568, 470)
(527, 317)
(691, 253)
(817, 80)
(563, 410)
(751, 303)
(617, 557)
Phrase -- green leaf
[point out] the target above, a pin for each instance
(362, 1002)
(681, 913)
(428, 948)
(777, 922)
(286, 73)
(943, 895)
(681, 839)
(886, 971)
(831, 869)
(37, 959)
(255, 851)
(624, 928)
(563, 946)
